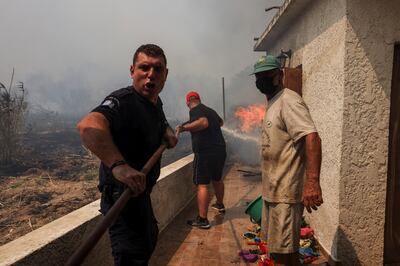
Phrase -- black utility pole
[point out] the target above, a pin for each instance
(223, 96)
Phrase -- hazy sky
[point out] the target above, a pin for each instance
(70, 54)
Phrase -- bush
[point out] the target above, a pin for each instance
(13, 108)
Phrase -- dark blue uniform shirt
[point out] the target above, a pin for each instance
(137, 128)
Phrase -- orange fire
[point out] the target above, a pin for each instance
(250, 116)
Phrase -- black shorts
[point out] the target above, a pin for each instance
(207, 167)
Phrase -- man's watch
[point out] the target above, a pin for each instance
(117, 163)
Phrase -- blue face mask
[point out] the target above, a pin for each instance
(266, 86)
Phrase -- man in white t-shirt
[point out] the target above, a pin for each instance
(291, 153)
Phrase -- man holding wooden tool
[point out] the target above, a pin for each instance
(124, 131)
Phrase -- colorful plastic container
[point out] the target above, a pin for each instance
(254, 210)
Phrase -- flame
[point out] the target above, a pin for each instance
(250, 116)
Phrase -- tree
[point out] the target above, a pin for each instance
(13, 108)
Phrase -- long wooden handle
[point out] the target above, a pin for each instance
(83, 250)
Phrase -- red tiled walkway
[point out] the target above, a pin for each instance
(179, 244)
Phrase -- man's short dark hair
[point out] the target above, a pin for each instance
(150, 50)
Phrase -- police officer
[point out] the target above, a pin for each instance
(124, 131)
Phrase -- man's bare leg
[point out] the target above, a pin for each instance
(291, 259)
(202, 200)
(219, 190)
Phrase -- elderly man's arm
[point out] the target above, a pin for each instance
(96, 136)
(312, 194)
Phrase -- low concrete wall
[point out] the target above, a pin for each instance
(173, 191)
(53, 243)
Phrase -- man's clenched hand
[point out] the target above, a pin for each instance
(312, 195)
(171, 138)
(134, 179)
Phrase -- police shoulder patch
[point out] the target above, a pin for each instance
(111, 102)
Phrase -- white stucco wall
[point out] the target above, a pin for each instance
(346, 49)
(323, 92)
(317, 38)
(372, 28)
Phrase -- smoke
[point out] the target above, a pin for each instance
(176, 88)
(71, 54)
(242, 147)
(74, 93)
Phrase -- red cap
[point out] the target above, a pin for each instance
(192, 95)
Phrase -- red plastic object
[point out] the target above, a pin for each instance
(309, 259)
(263, 248)
(306, 232)
(265, 261)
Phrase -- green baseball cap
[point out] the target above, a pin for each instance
(266, 63)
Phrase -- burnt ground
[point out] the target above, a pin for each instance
(53, 176)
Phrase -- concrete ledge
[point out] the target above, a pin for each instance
(174, 190)
(53, 243)
(331, 261)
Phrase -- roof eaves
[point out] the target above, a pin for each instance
(274, 20)
(289, 13)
